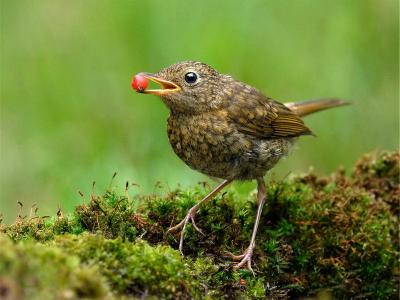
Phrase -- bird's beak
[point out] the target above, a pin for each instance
(167, 86)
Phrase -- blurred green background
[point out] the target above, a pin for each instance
(70, 117)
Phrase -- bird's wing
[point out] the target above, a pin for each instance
(256, 115)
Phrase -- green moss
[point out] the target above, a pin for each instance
(40, 271)
(112, 214)
(333, 236)
(134, 268)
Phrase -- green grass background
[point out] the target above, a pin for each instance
(70, 117)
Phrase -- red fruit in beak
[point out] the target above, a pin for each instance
(139, 83)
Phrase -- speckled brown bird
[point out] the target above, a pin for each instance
(227, 129)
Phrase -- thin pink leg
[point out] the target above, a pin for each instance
(245, 258)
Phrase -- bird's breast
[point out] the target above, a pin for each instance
(207, 142)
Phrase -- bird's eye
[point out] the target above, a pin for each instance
(191, 77)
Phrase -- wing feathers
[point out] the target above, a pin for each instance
(256, 115)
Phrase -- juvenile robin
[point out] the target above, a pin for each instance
(227, 129)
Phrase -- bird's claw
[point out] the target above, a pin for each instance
(195, 226)
(233, 256)
(182, 225)
(245, 259)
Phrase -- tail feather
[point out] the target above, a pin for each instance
(305, 108)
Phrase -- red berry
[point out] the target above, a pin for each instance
(139, 83)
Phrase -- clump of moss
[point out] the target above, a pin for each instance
(380, 175)
(134, 268)
(42, 228)
(335, 235)
(33, 227)
(112, 214)
(40, 271)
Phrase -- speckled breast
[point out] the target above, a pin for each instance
(210, 144)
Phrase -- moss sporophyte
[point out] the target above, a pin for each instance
(334, 236)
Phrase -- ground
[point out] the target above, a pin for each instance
(322, 237)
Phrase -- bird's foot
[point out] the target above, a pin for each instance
(244, 259)
(182, 225)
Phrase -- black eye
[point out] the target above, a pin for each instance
(191, 77)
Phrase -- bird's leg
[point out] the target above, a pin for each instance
(245, 258)
(192, 212)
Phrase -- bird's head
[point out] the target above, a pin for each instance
(189, 87)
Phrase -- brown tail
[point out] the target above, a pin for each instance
(305, 108)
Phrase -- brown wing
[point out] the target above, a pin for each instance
(259, 116)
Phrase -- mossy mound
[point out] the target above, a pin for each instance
(329, 236)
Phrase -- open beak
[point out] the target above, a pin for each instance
(166, 86)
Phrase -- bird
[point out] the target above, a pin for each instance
(227, 129)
